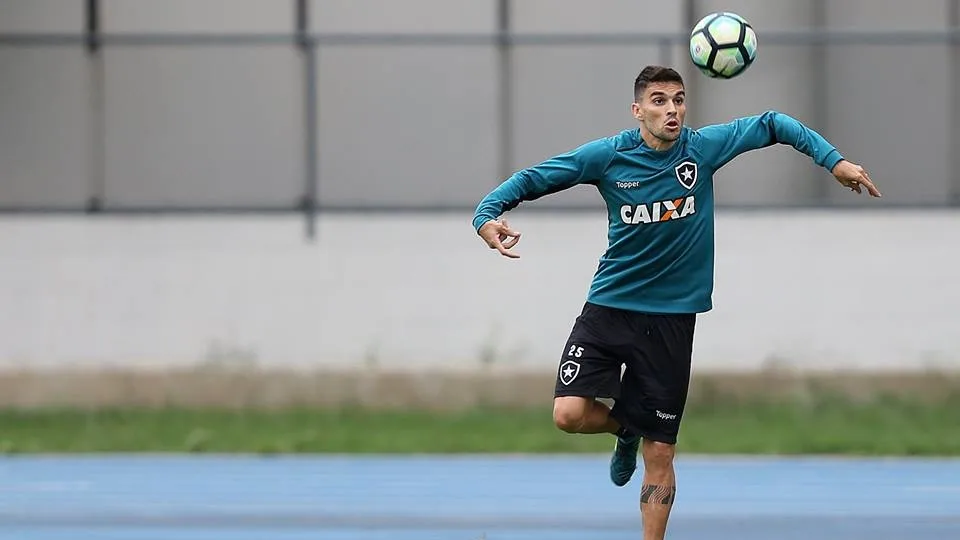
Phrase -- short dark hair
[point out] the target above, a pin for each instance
(652, 74)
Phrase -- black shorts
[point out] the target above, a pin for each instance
(654, 353)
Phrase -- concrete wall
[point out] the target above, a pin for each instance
(804, 290)
(919, 75)
(223, 126)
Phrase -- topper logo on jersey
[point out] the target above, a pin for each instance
(659, 211)
(686, 174)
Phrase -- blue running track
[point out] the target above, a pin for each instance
(467, 498)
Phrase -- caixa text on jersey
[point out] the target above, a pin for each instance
(659, 211)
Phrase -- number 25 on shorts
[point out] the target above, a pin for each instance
(575, 351)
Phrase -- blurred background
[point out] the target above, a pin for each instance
(245, 226)
(289, 184)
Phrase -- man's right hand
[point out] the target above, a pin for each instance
(499, 236)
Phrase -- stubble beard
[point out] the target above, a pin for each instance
(666, 136)
(661, 133)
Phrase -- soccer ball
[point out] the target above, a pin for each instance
(723, 45)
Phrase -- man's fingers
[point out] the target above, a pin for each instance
(506, 251)
(511, 242)
(863, 180)
(501, 237)
(505, 229)
(508, 237)
(856, 178)
(872, 189)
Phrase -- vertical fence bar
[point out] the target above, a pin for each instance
(690, 15)
(818, 83)
(954, 18)
(308, 49)
(312, 106)
(97, 180)
(665, 52)
(505, 90)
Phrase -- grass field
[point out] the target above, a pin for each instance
(829, 426)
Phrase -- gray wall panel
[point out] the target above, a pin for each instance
(202, 127)
(888, 14)
(888, 104)
(198, 15)
(409, 16)
(41, 15)
(955, 106)
(548, 16)
(44, 127)
(406, 126)
(893, 121)
(199, 126)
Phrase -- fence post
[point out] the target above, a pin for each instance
(97, 179)
(954, 142)
(308, 48)
(690, 15)
(505, 90)
(821, 53)
(665, 52)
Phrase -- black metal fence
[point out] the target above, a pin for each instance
(310, 200)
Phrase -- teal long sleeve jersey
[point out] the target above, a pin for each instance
(660, 205)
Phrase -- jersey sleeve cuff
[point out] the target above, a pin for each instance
(831, 159)
(479, 220)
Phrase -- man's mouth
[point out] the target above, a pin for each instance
(672, 124)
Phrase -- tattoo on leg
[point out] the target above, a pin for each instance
(658, 494)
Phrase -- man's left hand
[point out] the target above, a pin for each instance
(854, 176)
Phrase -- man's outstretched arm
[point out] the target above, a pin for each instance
(720, 143)
(582, 165)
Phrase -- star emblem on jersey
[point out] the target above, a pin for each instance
(686, 174)
(569, 371)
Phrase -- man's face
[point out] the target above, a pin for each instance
(661, 110)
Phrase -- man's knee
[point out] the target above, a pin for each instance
(570, 413)
(658, 455)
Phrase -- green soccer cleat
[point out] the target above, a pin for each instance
(624, 460)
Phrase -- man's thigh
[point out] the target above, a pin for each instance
(657, 377)
(591, 361)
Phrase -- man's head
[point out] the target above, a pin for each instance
(659, 104)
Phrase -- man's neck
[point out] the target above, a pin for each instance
(655, 142)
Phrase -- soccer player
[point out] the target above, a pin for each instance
(656, 274)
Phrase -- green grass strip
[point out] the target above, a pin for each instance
(882, 428)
